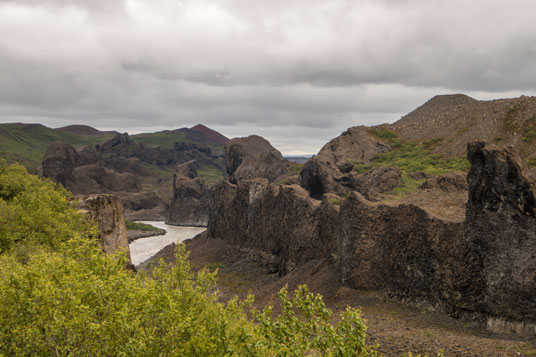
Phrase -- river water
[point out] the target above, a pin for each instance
(144, 248)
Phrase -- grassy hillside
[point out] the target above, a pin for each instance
(27, 143)
(167, 138)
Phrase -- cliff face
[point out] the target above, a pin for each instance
(501, 224)
(484, 264)
(106, 211)
(282, 221)
(189, 206)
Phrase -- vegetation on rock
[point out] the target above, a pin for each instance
(412, 157)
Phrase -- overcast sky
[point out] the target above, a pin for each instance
(297, 72)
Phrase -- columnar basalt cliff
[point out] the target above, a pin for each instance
(106, 211)
(501, 224)
(483, 264)
(189, 206)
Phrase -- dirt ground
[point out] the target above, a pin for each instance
(397, 327)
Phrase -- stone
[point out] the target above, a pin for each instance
(254, 157)
(189, 206)
(106, 211)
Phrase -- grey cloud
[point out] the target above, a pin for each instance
(280, 68)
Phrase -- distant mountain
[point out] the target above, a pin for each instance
(210, 134)
(27, 143)
(299, 159)
(85, 130)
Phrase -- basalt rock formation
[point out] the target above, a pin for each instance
(501, 224)
(139, 173)
(331, 170)
(189, 206)
(254, 157)
(106, 211)
(482, 264)
(59, 164)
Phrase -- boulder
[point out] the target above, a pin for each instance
(254, 157)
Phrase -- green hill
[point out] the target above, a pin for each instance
(27, 143)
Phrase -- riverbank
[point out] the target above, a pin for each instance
(144, 248)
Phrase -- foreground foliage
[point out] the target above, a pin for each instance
(66, 297)
(35, 211)
(79, 301)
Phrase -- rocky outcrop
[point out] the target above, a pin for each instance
(254, 157)
(189, 206)
(59, 164)
(483, 265)
(501, 224)
(331, 170)
(282, 221)
(378, 181)
(106, 211)
(401, 249)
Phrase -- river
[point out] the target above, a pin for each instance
(144, 248)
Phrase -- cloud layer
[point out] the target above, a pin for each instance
(298, 72)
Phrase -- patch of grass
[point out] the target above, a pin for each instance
(158, 170)
(531, 162)
(295, 167)
(384, 133)
(165, 139)
(335, 201)
(210, 175)
(529, 133)
(411, 157)
(213, 266)
(138, 226)
(408, 185)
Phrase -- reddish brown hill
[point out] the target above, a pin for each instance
(85, 130)
(210, 134)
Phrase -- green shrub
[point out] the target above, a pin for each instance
(139, 226)
(35, 211)
(78, 301)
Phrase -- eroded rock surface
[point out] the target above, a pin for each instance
(106, 211)
(482, 264)
(501, 223)
(189, 206)
(331, 170)
(254, 157)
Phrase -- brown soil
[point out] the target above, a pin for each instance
(397, 327)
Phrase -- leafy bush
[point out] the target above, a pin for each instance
(77, 301)
(35, 211)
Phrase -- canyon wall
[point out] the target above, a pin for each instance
(484, 265)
